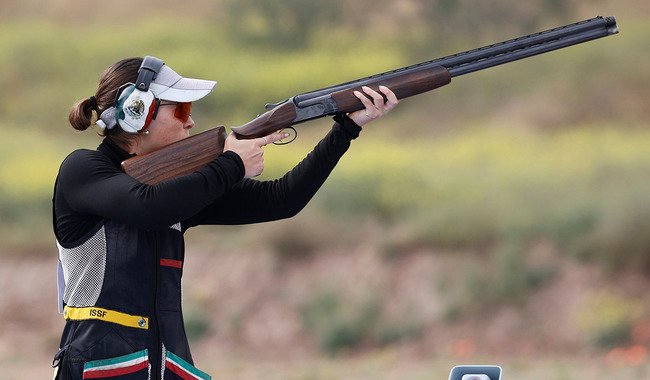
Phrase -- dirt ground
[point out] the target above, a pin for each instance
(248, 307)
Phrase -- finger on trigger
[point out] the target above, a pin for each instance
(276, 136)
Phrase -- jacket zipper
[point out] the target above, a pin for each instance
(158, 344)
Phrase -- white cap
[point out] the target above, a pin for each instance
(168, 85)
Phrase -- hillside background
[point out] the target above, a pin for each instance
(502, 219)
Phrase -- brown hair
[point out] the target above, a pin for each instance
(81, 114)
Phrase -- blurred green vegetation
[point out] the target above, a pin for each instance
(607, 319)
(342, 324)
(489, 186)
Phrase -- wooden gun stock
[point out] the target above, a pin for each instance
(177, 159)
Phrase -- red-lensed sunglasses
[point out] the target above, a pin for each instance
(182, 112)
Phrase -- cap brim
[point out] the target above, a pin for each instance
(168, 85)
(180, 95)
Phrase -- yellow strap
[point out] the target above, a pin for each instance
(83, 313)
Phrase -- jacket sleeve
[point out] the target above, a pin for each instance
(92, 185)
(252, 201)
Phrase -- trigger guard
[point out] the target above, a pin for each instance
(292, 136)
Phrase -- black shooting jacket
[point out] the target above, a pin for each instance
(121, 250)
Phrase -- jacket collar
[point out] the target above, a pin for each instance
(113, 151)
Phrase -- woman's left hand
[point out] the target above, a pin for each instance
(376, 107)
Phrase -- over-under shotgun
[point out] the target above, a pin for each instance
(190, 154)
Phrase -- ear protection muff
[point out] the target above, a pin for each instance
(135, 104)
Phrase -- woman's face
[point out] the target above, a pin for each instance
(164, 130)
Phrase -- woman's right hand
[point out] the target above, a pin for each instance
(251, 152)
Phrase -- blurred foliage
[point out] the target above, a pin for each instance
(340, 324)
(288, 24)
(509, 280)
(196, 322)
(486, 186)
(606, 319)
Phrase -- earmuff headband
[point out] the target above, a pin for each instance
(148, 72)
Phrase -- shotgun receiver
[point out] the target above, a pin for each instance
(188, 155)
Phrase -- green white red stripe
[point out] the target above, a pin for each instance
(183, 369)
(121, 365)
